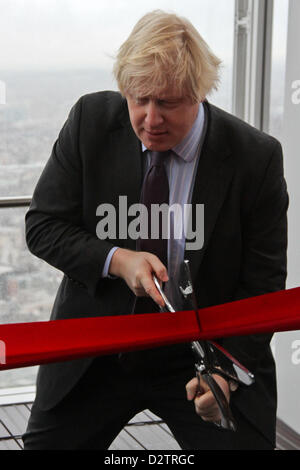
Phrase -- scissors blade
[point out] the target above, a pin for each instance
(205, 353)
(166, 300)
(222, 357)
(229, 364)
(186, 285)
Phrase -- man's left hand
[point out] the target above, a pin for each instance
(204, 400)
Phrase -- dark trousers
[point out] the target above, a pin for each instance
(114, 390)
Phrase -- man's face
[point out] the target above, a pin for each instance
(162, 121)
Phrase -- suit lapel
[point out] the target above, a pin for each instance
(126, 162)
(214, 174)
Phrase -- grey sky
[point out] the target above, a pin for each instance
(84, 33)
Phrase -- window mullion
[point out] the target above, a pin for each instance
(252, 52)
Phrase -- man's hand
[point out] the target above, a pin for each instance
(204, 400)
(137, 269)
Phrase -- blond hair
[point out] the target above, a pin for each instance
(163, 51)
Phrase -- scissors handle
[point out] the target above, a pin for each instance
(227, 420)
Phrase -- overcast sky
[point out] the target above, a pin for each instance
(84, 33)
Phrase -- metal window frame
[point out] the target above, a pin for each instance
(19, 201)
(252, 61)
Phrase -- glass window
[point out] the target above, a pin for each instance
(27, 286)
(279, 44)
(52, 52)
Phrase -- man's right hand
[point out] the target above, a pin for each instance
(137, 269)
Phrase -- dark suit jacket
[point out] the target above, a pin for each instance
(97, 158)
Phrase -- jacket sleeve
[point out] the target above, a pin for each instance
(264, 266)
(54, 229)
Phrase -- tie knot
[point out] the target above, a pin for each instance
(158, 158)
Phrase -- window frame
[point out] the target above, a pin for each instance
(252, 61)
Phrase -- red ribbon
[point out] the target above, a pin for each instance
(27, 344)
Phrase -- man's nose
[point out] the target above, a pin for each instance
(153, 115)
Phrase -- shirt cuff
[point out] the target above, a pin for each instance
(105, 272)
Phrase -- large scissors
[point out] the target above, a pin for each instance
(210, 357)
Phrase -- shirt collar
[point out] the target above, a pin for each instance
(187, 148)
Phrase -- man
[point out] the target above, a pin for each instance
(105, 150)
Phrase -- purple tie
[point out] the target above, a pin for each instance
(155, 190)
